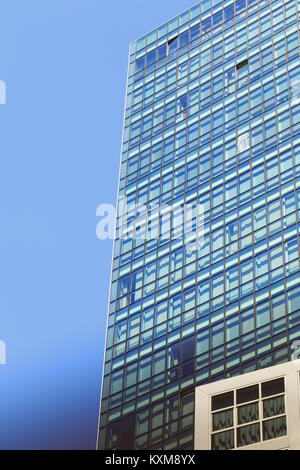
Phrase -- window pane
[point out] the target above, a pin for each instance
(183, 39)
(173, 356)
(158, 362)
(222, 441)
(206, 26)
(157, 415)
(274, 406)
(217, 18)
(247, 394)
(222, 420)
(116, 382)
(144, 369)
(123, 286)
(248, 413)
(150, 58)
(172, 45)
(187, 349)
(228, 13)
(140, 64)
(248, 435)
(195, 31)
(273, 387)
(161, 52)
(222, 401)
(240, 5)
(187, 404)
(130, 376)
(274, 428)
(243, 142)
(142, 422)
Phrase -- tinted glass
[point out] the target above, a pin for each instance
(246, 394)
(273, 387)
(222, 401)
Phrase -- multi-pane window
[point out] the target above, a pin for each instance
(248, 415)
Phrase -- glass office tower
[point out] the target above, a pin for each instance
(212, 119)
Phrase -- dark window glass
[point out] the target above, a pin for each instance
(222, 401)
(187, 404)
(127, 434)
(183, 39)
(157, 415)
(274, 406)
(187, 368)
(112, 436)
(171, 409)
(247, 394)
(195, 31)
(222, 441)
(242, 64)
(273, 428)
(142, 422)
(248, 435)
(273, 387)
(162, 52)
(139, 64)
(222, 420)
(187, 349)
(248, 413)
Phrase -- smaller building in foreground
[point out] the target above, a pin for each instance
(255, 411)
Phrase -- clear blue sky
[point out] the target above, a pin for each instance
(64, 63)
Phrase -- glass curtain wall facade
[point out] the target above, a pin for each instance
(212, 117)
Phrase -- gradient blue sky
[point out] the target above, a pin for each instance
(64, 63)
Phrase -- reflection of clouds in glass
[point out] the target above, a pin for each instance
(296, 350)
(296, 92)
(243, 142)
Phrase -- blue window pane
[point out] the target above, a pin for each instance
(139, 64)
(217, 18)
(205, 5)
(228, 13)
(195, 31)
(187, 349)
(183, 39)
(173, 45)
(240, 5)
(195, 11)
(206, 26)
(182, 103)
(162, 52)
(150, 58)
(123, 286)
